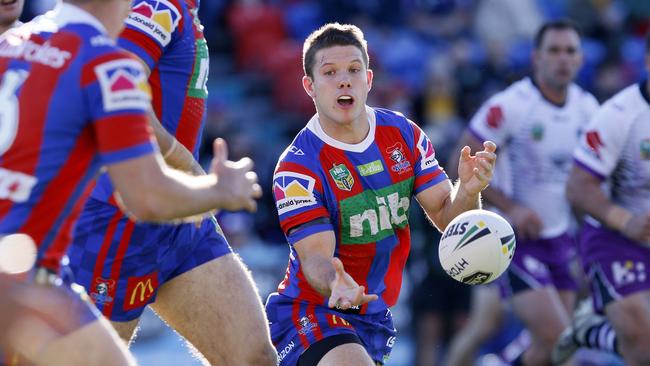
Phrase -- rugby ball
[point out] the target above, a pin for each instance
(476, 247)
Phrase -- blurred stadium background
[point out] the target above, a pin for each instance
(434, 60)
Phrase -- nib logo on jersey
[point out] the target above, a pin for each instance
(159, 19)
(428, 153)
(293, 191)
(124, 85)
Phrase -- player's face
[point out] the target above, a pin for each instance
(10, 11)
(340, 85)
(559, 57)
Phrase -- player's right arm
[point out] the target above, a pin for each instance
(595, 159)
(151, 191)
(326, 274)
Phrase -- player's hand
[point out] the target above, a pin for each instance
(346, 292)
(525, 221)
(475, 172)
(236, 181)
(638, 228)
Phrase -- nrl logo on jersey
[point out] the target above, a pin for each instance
(293, 191)
(158, 19)
(342, 177)
(123, 85)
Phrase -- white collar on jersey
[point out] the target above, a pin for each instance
(314, 126)
(65, 13)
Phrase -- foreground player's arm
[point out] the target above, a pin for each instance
(326, 273)
(584, 191)
(151, 191)
(442, 202)
(525, 221)
(176, 155)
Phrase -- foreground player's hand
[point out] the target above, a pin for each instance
(525, 221)
(236, 181)
(346, 292)
(475, 172)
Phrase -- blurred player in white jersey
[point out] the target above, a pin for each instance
(537, 122)
(9, 13)
(610, 182)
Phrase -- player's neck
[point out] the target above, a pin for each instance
(554, 95)
(105, 13)
(6, 27)
(348, 133)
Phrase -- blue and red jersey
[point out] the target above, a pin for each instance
(168, 37)
(70, 101)
(362, 192)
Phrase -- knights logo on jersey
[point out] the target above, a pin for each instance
(123, 85)
(158, 19)
(427, 152)
(342, 177)
(306, 324)
(645, 149)
(293, 191)
(102, 291)
(397, 155)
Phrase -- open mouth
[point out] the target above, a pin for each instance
(8, 2)
(345, 100)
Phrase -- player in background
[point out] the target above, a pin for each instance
(9, 13)
(609, 183)
(188, 274)
(343, 190)
(536, 122)
(71, 100)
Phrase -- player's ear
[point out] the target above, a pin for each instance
(308, 84)
(369, 76)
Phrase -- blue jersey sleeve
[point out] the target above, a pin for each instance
(150, 28)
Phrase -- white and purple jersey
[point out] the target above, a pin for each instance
(538, 139)
(616, 148)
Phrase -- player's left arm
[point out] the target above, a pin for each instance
(443, 202)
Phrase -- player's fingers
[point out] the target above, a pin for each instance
(487, 156)
(489, 146)
(245, 164)
(368, 298)
(331, 303)
(251, 205)
(220, 148)
(257, 191)
(464, 153)
(485, 165)
(338, 266)
(251, 177)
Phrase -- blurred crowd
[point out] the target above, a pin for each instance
(434, 60)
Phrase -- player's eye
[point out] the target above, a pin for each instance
(354, 70)
(329, 72)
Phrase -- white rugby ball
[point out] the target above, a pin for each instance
(477, 247)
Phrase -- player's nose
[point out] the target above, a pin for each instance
(345, 83)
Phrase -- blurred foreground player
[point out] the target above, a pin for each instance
(71, 103)
(187, 273)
